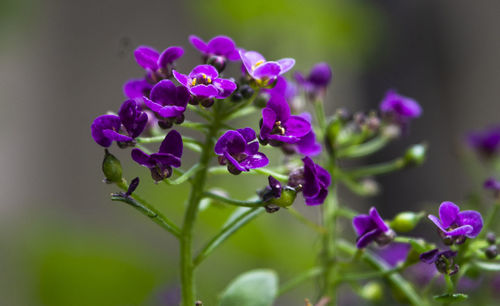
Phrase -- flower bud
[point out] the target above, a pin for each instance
(406, 221)
(219, 62)
(112, 168)
(288, 195)
(236, 97)
(246, 91)
(491, 238)
(491, 252)
(372, 291)
(415, 155)
(261, 100)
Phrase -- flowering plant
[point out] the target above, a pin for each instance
(312, 147)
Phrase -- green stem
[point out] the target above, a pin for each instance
(330, 206)
(188, 142)
(489, 219)
(226, 232)
(319, 229)
(377, 169)
(218, 197)
(147, 209)
(195, 196)
(299, 279)
(368, 275)
(260, 171)
(450, 287)
(364, 149)
(184, 176)
(395, 279)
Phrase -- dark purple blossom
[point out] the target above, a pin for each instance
(158, 66)
(399, 108)
(219, 46)
(279, 125)
(443, 260)
(312, 180)
(456, 224)
(317, 81)
(307, 145)
(239, 150)
(168, 100)
(493, 184)
(371, 228)
(204, 82)
(262, 71)
(486, 142)
(168, 156)
(108, 128)
(273, 190)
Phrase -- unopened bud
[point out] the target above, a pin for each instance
(219, 62)
(246, 91)
(415, 155)
(372, 291)
(491, 238)
(288, 195)
(261, 100)
(111, 167)
(406, 221)
(491, 252)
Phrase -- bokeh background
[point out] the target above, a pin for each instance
(63, 242)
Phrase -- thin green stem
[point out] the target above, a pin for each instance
(377, 169)
(395, 279)
(226, 232)
(184, 176)
(260, 171)
(364, 149)
(218, 197)
(328, 253)
(195, 196)
(147, 209)
(299, 279)
(489, 218)
(368, 275)
(317, 228)
(188, 142)
(450, 286)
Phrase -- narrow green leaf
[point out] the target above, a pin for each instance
(488, 266)
(252, 288)
(451, 297)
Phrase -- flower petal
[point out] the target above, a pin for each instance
(250, 58)
(172, 144)
(221, 45)
(101, 123)
(378, 220)
(233, 161)
(317, 199)
(198, 43)
(146, 57)
(268, 70)
(258, 160)
(164, 93)
(296, 126)
(113, 135)
(279, 105)
(231, 142)
(430, 256)
(207, 70)
(460, 231)
(252, 148)
(166, 160)
(311, 186)
(137, 88)
(181, 78)
(448, 213)
(472, 218)
(286, 64)
(142, 158)
(268, 120)
(362, 224)
(248, 134)
(168, 56)
(226, 87)
(436, 221)
(171, 111)
(367, 238)
(208, 91)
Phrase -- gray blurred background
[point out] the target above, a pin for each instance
(63, 63)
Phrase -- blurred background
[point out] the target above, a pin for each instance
(63, 63)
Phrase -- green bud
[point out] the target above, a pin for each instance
(372, 291)
(261, 100)
(111, 167)
(406, 221)
(288, 195)
(415, 155)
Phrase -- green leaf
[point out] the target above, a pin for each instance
(488, 266)
(451, 297)
(252, 288)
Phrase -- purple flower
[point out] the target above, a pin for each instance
(168, 100)
(279, 125)
(372, 228)
(168, 156)
(395, 253)
(455, 224)
(136, 89)
(318, 79)
(239, 150)
(443, 260)
(158, 66)
(313, 180)
(486, 142)
(218, 46)
(399, 108)
(262, 71)
(203, 82)
(282, 88)
(493, 184)
(273, 190)
(106, 128)
(307, 145)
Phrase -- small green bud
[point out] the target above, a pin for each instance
(111, 167)
(288, 195)
(406, 221)
(415, 155)
(261, 100)
(372, 291)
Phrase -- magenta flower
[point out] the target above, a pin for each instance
(317, 81)
(282, 88)
(371, 228)
(108, 128)
(239, 150)
(168, 100)
(307, 145)
(264, 72)
(399, 108)
(158, 66)
(486, 142)
(137, 89)
(492, 184)
(168, 157)
(204, 82)
(218, 46)
(457, 224)
(279, 125)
